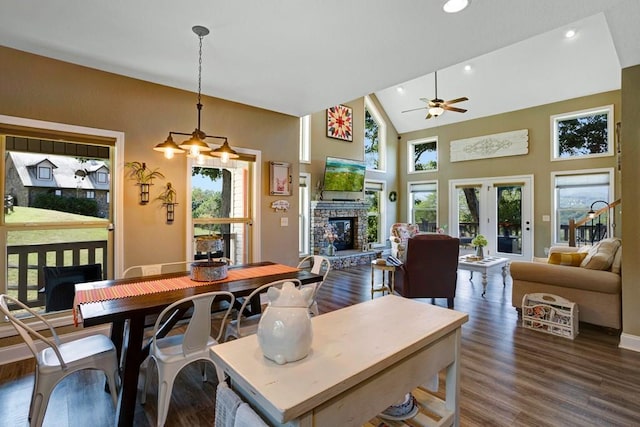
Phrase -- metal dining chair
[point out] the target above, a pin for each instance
(173, 352)
(244, 325)
(317, 265)
(58, 360)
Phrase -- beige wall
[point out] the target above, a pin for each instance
(536, 162)
(39, 88)
(631, 200)
(323, 146)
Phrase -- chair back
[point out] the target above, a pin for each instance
(199, 327)
(59, 283)
(26, 332)
(318, 265)
(399, 234)
(256, 294)
(431, 267)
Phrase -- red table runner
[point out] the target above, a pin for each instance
(162, 285)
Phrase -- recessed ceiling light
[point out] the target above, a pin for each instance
(467, 67)
(400, 89)
(570, 33)
(454, 6)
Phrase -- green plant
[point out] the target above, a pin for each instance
(479, 240)
(168, 195)
(142, 174)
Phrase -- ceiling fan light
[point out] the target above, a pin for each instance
(455, 6)
(436, 111)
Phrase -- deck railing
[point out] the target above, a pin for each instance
(25, 262)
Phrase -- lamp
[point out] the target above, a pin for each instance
(592, 215)
(195, 144)
(436, 111)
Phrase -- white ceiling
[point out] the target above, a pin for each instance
(301, 56)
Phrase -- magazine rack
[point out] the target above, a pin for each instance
(551, 314)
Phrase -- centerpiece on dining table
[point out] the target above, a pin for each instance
(210, 270)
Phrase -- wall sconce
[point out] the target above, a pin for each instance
(144, 178)
(168, 198)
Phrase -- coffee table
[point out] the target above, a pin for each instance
(484, 266)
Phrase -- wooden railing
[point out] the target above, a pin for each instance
(25, 262)
(574, 225)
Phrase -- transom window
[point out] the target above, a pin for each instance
(423, 155)
(580, 134)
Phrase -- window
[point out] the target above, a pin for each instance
(44, 172)
(305, 139)
(91, 194)
(423, 204)
(374, 192)
(423, 155)
(374, 137)
(303, 214)
(574, 194)
(102, 177)
(587, 133)
(59, 193)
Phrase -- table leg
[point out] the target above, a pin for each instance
(484, 283)
(129, 388)
(372, 281)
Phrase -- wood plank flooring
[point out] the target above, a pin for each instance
(510, 376)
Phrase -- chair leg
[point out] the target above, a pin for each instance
(203, 369)
(112, 375)
(450, 302)
(147, 376)
(165, 386)
(40, 399)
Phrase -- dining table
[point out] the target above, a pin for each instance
(125, 303)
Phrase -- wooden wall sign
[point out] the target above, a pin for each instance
(513, 143)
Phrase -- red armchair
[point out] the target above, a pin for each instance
(430, 269)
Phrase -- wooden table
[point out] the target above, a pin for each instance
(134, 310)
(484, 266)
(386, 284)
(363, 358)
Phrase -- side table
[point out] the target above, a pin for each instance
(387, 284)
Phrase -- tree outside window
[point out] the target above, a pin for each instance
(423, 155)
(371, 141)
(582, 134)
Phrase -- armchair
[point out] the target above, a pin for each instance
(399, 234)
(430, 269)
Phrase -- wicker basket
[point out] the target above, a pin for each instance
(208, 271)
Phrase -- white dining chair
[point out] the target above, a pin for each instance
(60, 359)
(317, 265)
(248, 325)
(173, 352)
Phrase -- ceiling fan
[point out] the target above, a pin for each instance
(437, 106)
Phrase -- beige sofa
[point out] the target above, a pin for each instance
(596, 288)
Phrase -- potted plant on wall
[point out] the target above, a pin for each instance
(144, 178)
(168, 198)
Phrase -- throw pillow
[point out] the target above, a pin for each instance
(600, 256)
(573, 259)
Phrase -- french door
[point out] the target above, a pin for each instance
(500, 208)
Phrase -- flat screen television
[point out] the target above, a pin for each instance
(344, 175)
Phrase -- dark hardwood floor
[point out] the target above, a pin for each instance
(510, 376)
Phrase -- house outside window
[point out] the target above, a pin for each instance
(423, 204)
(423, 155)
(574, 194)
(45, 172)
(374, 192)
(375, 131)
(580, 134)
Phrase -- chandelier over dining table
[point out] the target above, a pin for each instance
(195, 146)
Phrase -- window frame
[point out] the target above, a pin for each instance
(379, 187)
(382, 134)
(410, 198)
(557, 118)
(49, 172)
(305, 139)
(304, 214)
(555, 238)
(411, 145)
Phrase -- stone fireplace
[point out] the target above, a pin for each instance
(348, 220)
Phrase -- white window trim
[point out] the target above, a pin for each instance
(554, 200)
(49, 170)
(103, 177)
(382, 206)
(583, 113)
(410, 199)
(411, 150)
(305, 139)
(305, 211)
(382, 130)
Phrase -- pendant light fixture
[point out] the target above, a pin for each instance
(195, 146)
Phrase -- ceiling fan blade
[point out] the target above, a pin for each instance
(428, 116)
(453, 101)
(450, 108)
(414, 109)
(425, 100)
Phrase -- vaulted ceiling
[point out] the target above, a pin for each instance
(299, 57)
